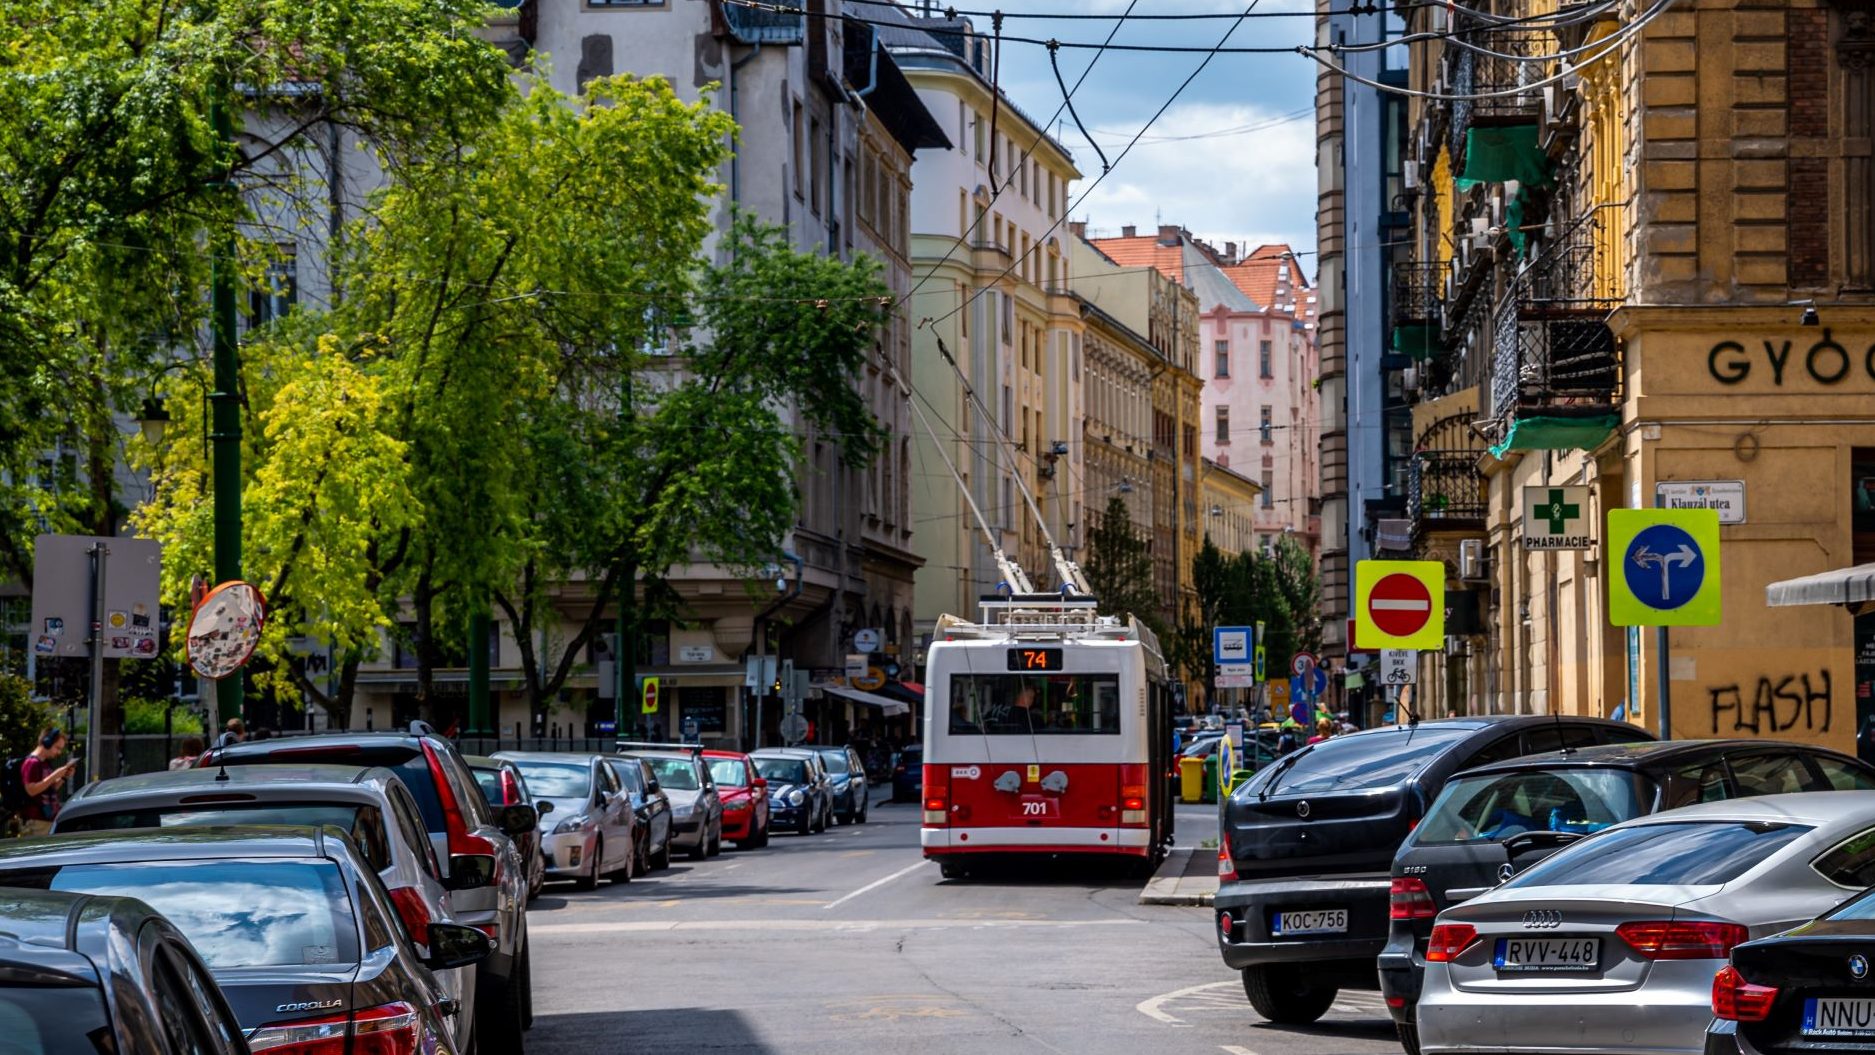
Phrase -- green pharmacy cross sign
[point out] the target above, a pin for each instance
(1556, 518)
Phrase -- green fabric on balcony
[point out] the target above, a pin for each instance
(1540, 432)
(1497, 153)
(1419, 341)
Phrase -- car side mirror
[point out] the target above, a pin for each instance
(470, 872)
(519, 819)
(761, 784)
(652, 787)
(543, 807)
(453, 945)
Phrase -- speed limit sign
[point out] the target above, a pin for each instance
(1398, 666)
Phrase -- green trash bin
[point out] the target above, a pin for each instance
(1210, 778)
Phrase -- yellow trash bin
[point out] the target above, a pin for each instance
(1190, 779)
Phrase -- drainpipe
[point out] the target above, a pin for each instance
(735, 156)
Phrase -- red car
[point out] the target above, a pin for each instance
(744, 796)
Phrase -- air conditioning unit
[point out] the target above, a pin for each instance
(1409, 377)
(1471, 559)
(1409, 172)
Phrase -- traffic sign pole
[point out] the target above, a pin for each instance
(1664, 678)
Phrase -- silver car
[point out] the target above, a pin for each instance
(586, 821)
(1611, 945)
(696, 812)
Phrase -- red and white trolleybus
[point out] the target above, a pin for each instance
(1046, 731)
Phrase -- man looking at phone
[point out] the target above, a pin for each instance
(42, 782)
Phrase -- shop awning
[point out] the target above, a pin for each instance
(886, 706)
(1844, 586)
(1546, 432)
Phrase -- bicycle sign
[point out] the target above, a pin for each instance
(1399, 666)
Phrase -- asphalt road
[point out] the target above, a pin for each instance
(850, 942)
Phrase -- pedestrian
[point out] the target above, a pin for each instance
(43, 781)
(235, 732)
(1324, 728)
(191, 750)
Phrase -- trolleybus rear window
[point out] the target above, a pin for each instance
(1022, 704)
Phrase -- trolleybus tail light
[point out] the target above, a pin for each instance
(1449, 940)
(936, 795)
(1133, 781)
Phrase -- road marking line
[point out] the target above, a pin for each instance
(1233, 1049)
(1153, 1007)
(876, 884)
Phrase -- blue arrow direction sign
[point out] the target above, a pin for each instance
(1664, 567)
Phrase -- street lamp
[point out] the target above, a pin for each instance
(152, 420)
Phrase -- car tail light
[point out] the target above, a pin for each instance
(1666, 940)
(1226, 925)
(388, 1029)
(1449, 940)
(413, 912)
(457, 827)
(510, 790)
(1226, 867)
(1737, 1000)
(493, 930)
(1409, 899)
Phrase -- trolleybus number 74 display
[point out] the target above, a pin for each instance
(1034, 659)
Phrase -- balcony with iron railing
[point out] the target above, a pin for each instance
(1445, 492)
(1493, 80)
(1415, 308)
(759, 25)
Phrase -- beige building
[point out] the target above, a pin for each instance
(1231, 504)
(1653, 277)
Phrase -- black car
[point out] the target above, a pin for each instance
(908, 774)
(295, 926)
(465, 832)
(653, 808)
(1308, 843)
(800, 795)
(851, 788)
(1492, 823)
(106, 974)
(1811, 989)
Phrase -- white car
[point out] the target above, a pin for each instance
(587, 824)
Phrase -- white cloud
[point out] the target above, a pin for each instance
(1255, 187)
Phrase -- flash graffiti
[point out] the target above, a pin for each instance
(1776, 705)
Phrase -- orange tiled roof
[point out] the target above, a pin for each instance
(1144, 251)
(1259, 275)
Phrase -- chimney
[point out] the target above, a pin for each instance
(1078, 228)
(1129, 231)
(1168, 233)
(1230, 252)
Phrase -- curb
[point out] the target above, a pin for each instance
(1170, 885)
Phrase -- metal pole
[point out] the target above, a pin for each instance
(94, 710)
(226, 402)
(479, 723)
(761, 677)
(1664, 677)
(618, 667)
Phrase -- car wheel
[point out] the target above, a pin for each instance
(591, 878)
(716, 842)
(761, 837)
(1409, 1036)
(864, 808)
(627, 870)
(501, 1011)
(953, 870)
(1284, 997)
(662, 859)
(702, 848)
(807, 823)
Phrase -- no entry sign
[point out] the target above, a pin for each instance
(1399, 604)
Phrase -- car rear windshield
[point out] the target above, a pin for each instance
(630, 775)
(265, 913)
(1377, 759)
(489, 780)
(398, 757)
(730, 771)
(40, 1020)
(782, 770)
(363, 822)
(1687, 853)
(557, 780)
(1495, 807)
(677, 774)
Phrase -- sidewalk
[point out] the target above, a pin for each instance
(1188, 877)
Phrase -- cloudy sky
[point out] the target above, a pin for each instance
(1234, 157)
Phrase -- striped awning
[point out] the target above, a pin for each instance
(1844, 586)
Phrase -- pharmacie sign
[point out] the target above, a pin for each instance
(1556, 518)
(1784, 362)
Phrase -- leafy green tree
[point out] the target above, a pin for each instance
(1241, 589)
(21, 716)
(1119, 567)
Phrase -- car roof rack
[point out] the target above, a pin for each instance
(653, 745)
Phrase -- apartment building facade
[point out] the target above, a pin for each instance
(1652, 280)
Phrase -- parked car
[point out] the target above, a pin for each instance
(503, 784)
(799, 793)
(588, 816)
(294, 924)
(370, 805)
(466, 835)
(106, 974)
(1307, 844)
(908, 774)
(1493, 822)
(651, 806)
(1612, 944)
(746, 811)
(1808, 989)
(696, 812)
(852, 792)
